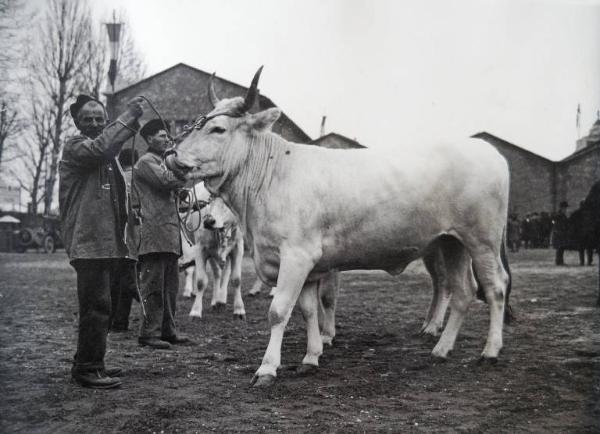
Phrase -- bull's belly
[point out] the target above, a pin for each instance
(391, 258)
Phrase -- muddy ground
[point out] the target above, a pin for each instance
(378, 376)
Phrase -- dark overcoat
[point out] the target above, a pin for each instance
(154, 188)
(92, 196)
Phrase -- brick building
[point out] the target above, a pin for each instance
(180, 94)
(538, 184)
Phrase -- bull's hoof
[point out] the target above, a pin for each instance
(263, 381)
(487, 360)
(327, 340)
(429, 337)
(218, 307)
(305, 370)
(240, 316)
(437, 359)
(185, 295)
(195, 318)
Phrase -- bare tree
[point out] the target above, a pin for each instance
(30, 167)
(12, 17)
(130, 64)
(62, 56)
(10, 124)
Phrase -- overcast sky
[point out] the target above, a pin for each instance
(390, 73)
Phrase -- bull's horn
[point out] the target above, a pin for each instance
(252, 91)
(212, 95)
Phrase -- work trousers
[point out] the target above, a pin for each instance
(159, 284)
(94, 277)
(123, 291)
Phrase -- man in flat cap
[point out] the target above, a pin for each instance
(93, 211)
(160, 241)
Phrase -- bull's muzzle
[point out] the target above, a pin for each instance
(209, 222)
(174, 166)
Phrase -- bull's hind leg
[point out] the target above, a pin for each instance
(328, 288)
(434, 321)
(494, 280)
(460, 284)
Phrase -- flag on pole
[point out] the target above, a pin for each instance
(578, 119)
(114, 34)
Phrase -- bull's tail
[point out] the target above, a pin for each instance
(509, 315)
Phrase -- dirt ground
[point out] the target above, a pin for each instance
(378, 376)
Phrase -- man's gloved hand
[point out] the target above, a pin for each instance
(134, 106)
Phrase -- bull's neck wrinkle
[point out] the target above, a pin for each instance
(250, 171)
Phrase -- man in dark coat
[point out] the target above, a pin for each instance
(514, 233)
(560, 233)
(93, 211)
(160, 242)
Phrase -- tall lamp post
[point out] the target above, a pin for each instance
(114, 34)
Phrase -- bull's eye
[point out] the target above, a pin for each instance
(216, 130)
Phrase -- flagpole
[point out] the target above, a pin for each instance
(578, 121)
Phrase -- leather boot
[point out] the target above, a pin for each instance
(95, 379)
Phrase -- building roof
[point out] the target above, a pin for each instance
(350, 142)
(590, 148)
(9, 219)
(264, 101)
(485, 136)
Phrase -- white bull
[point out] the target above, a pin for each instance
(217, 241)
(306, 210)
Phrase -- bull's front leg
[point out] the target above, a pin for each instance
(255, 290)
(293, 270)
(328, 288)
(188, 287)
(220, 275)
(235, 281)
(201, 283)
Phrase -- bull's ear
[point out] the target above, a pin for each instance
(264, 120)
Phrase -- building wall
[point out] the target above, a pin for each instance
(576, 174)
(531, 178)
(180, 94)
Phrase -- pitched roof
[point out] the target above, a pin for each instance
(485, 136)
(351, 143)
(264, 101)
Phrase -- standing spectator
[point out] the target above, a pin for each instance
(160, 242)
(546, 228)
(560, 233)
(93, 211)
(526, 231)
(124, 286)
(514, 233)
